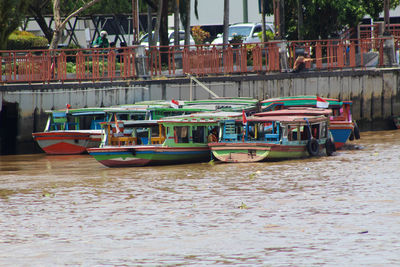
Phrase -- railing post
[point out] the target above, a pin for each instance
(318, 55)
(352, 55)
(340, 55)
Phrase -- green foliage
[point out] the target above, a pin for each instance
(325, 19)
(21, 40)
(270, 35)
(11, 14)
(111, 7)
(71, 67)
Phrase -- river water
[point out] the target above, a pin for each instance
(342, 210)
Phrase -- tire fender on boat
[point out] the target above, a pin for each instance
(329, 147)
(356, 131)
(313, 147)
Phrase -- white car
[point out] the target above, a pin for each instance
(145, 40)
(248, 31)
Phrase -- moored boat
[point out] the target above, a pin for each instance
(184, 139)
(72, 131)
(342, 127)
(274, 137)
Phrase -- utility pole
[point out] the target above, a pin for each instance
(300, 22)
(263, 36)
(277, 24)
(135, 21)
(226, 22)
(386, 17)
(245, 12)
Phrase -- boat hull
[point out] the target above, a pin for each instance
(67, 142)
(136, 156)
(340, 132)
(254, 152)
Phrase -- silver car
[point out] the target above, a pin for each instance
(248, 31)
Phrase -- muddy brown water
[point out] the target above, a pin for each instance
(342, 210)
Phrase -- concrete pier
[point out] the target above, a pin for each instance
(375, 94)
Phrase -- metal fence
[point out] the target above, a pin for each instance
(96, 64)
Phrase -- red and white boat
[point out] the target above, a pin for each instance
(72, 131)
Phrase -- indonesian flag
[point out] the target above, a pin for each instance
(244, 118)
(68, 107)
(321, 103)
(174, 103)
(116, 124)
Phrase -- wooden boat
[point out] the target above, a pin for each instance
(71, 131)
(273, 137)
(180, 139)
(342, 127)
(119, 150)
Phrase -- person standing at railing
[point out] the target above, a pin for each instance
(300, 63)
(101, 41)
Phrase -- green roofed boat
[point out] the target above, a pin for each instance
(274, 136)
(173, 140)
(342, 126)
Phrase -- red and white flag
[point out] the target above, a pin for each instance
(321, 103)
(244, 117)
(68, 107)
(174, 103)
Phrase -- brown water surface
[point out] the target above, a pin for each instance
(342, 210)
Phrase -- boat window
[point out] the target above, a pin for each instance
(252, 132)
(293, 133)
(304, 133)
(122, 117)
(181, 134)
(155, 131)
(315, 131)
(198, 134)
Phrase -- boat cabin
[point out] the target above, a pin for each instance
(275, 129)
(194, 129)
(137, 132)
(75, 119)
(88, 118)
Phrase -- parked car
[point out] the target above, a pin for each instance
(145, 40)
(248, 31)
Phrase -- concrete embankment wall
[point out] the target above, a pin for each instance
(375, 95)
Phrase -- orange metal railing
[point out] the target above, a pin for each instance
(176, 61)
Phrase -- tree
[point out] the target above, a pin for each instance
(59, 24)
(323, 19)
(12, 13)
(36, 9)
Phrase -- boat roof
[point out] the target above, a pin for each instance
(288, 119)
(133, 123)
(301, 111)
(224, 100)
(95, 111)
(299, 101)
(202, 117)
(297, 98)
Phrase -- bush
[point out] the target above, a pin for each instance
(199, 35)
(22, 40)
(270, 35)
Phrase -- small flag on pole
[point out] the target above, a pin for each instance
(68, 107)
(244, 118)
(174, 103)
(321, 103)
